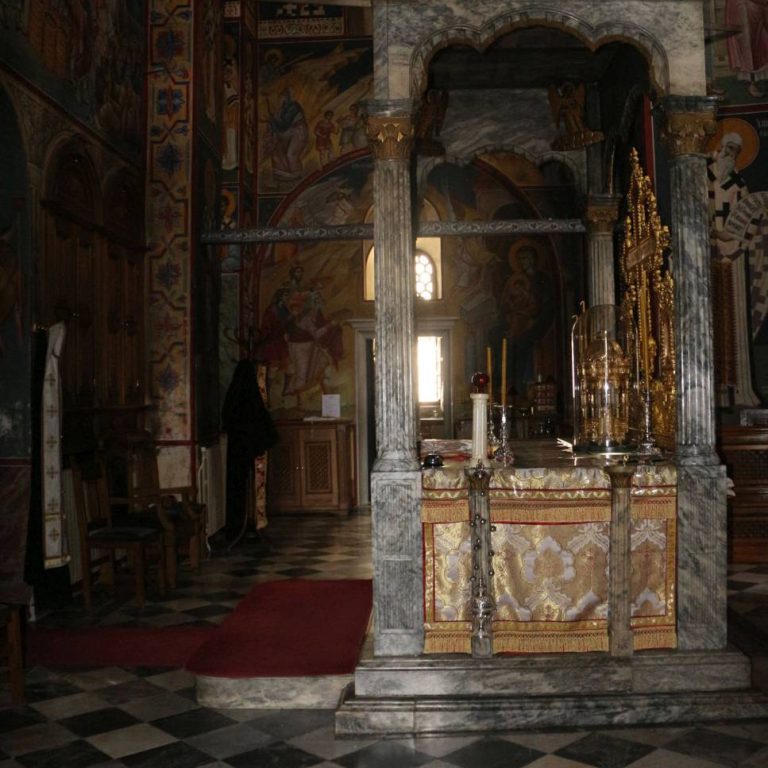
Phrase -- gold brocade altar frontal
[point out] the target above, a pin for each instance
(551, 559)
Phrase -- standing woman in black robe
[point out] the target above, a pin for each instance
(250, 432)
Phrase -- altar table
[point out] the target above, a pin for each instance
(551, 554)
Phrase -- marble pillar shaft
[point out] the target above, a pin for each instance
(685, 134)
(391, 139)
(602, 213)
(396, 477)
(701, 502)
(693, 311)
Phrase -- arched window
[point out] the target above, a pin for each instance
(427, 270)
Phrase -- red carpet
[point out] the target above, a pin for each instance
(289, 629)
(115, 646)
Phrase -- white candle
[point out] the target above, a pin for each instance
(479, 428)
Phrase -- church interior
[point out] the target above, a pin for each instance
(463, 300)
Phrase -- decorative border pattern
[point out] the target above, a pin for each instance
(169, 184)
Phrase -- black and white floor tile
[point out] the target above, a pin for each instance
(149, 717)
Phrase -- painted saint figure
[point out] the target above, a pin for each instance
(288, 139)
(748, 50)
(324, 130)
(297, 336)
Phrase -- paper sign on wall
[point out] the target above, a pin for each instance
(332, 406)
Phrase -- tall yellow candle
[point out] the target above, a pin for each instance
(503, 371)
(489, 371)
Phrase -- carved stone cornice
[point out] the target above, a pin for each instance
(390, 137)
(601, 216)
(686, 133)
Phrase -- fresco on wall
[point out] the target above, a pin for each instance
(525, 288)
(68, 51)
(229, 331)
(308, 290)
(207, 281)
(310, 110)
(737, 171)
(230, 145)
(209, 56)
(503, 287)
(739, 51)
(169, 218)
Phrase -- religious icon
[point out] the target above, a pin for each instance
(567, 104)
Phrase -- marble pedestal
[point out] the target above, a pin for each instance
(453, 694)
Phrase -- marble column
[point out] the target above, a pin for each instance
(396, 475)
(602, 213)
(689, 121)
(701, 618)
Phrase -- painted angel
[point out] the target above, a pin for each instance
(567, 104)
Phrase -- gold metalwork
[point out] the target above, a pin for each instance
(601, 218)
(390, 138)
(648, 305)
(603, 375)
(686, 133)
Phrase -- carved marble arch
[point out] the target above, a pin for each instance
(592, 36)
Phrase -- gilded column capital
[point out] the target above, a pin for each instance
(390, 137)
(686, 133)
(601, 215)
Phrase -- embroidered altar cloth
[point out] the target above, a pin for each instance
(551, 556)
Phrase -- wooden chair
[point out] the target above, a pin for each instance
(11, 650)
(98, 532)
(175, 508)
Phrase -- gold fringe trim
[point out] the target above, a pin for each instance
(534, 512)
(437, 640)
(654, 507)
(657, 637)
(550, 642)
(436, 511)
(448, 643)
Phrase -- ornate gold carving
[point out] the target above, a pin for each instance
(685, 133)
(601, 218)
(390, 138)
(648, 307)
(602, 392)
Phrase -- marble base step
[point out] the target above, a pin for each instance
(450, 694)
(431, 716)
(649, 671)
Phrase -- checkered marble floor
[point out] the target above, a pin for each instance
(149, 717)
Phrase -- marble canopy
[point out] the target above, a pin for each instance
(398, 689)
